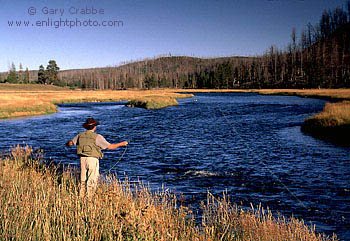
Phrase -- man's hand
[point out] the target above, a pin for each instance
(124, 143)
(69, 143)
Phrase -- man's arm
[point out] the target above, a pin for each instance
(116, 145)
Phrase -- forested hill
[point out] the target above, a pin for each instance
(171, 71)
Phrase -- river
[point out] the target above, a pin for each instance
(249, 145)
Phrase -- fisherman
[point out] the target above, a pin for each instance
(89, 145)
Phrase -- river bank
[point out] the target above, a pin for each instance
(51, 209)
(333, 124)
(18, 100)
(29, 100)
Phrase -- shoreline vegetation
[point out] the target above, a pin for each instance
(154, 102)
(24, 100)
(42, 203)
(332, 124)
(18, 100)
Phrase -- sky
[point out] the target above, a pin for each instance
(75, 35)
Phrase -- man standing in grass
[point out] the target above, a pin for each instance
(89, 145)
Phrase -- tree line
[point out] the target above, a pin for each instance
(42, 76)
(318, 58)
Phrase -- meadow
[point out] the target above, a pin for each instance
(41, 202)
(18, 100)
(29, 100)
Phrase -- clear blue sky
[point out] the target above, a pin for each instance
(201, 28)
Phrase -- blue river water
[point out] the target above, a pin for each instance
(249, 145)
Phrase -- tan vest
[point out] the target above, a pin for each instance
(86, 145)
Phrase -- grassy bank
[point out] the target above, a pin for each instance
(333, 124)
(18, 100)
(41, 204)
(327, 94)
(30, 100)
(152, 103)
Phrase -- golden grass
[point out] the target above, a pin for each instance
(331, 94)
(38, 203)
(334, 114)
(153, 102)
(41, 99)
(30, 87)
(18, 100)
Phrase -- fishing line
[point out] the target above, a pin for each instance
(116, 163)
(125, 149)
(260, 161)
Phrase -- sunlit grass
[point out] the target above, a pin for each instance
(330, 94)
(18, 100)
(334, 114)
(332, 124)
(41, 99)
(38, 203)
(153, 102)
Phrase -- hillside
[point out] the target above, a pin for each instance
(170, 71)
(173, 72)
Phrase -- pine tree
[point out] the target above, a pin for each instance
(12, 77)
(20, 73)
(26, 76)
(52, 72)
(42, 79)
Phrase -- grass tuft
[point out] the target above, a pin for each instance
(333, 124)
(152, 102)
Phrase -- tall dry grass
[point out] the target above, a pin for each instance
(333, 114)
(40, 203)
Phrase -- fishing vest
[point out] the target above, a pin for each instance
(86, 145)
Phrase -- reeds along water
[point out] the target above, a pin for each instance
(335, 114)
(39, 203)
